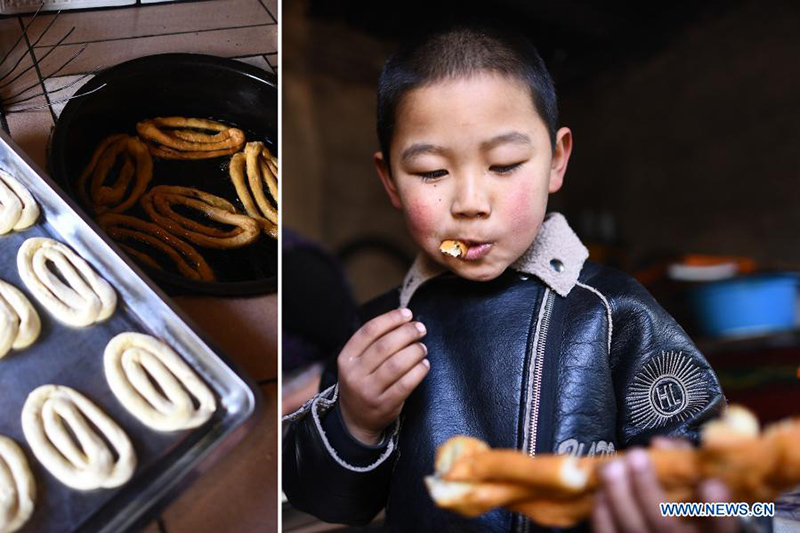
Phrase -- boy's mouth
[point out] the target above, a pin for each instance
(476, 250)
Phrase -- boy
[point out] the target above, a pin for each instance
(526, 344)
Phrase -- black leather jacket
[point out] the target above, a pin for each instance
(517, 364)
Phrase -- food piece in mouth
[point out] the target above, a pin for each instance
(453, 248)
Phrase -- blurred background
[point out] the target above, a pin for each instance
(685, 172)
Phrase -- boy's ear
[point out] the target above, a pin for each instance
(386, 178)
(561, 154)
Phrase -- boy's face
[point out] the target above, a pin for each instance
(471, 160)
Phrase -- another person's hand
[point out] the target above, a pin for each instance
(379, 367)
(630, 493)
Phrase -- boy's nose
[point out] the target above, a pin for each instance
(470, 200)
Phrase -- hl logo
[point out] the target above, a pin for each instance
(668, 396)
(669, 387)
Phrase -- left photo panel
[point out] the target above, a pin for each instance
(139, 265)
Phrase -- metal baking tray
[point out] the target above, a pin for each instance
(74, 357)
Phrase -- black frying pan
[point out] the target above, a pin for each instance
(179, 85)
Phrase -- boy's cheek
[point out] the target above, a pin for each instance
(421, 217)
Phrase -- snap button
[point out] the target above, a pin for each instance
(523, 277)
(557, 265)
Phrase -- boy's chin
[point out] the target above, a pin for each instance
(475, 271)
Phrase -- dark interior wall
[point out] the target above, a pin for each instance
(692, 148)
(696, 148)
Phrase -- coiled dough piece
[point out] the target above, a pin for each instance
(88, 463)
(129, 359)
(19, 323)
(85, 299)
(17, 487)
(18, 209)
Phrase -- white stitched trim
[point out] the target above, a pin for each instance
(303, 410)
(318, 403)
(608, 310)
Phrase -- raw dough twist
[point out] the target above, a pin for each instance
(52, 415)
(86, 298)
(18, 209)
(17, 487)
(19, 321)
(133, 361)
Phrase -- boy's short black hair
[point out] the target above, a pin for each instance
(461, 52)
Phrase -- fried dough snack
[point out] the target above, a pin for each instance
(158, 203)
(453, 248)
(137, 166)
(261, 167)
(18, 209)
(184, 138)
(559, 491)
(187, 260)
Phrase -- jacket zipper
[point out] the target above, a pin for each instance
(538, 365)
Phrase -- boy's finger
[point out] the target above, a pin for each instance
(372, 330)
(666, 443)
(403, 387)
(388, 345)
(647, 490)
(715, 491)
(399, 364)
(623, 503)
(602, 519)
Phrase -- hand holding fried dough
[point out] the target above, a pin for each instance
(186, 138)
(560, 491)
(379, 367)
(630, 493)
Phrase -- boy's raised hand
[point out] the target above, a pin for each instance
(630, 494)
(379, 367)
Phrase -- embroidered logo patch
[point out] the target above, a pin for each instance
(669, 387)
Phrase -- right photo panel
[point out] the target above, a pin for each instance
(540, 267)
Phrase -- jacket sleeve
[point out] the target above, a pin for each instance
(326, 472)
(664, 385)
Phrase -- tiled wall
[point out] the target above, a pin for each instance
(246, 30)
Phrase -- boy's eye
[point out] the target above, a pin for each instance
(426, 176)
(504, 169)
